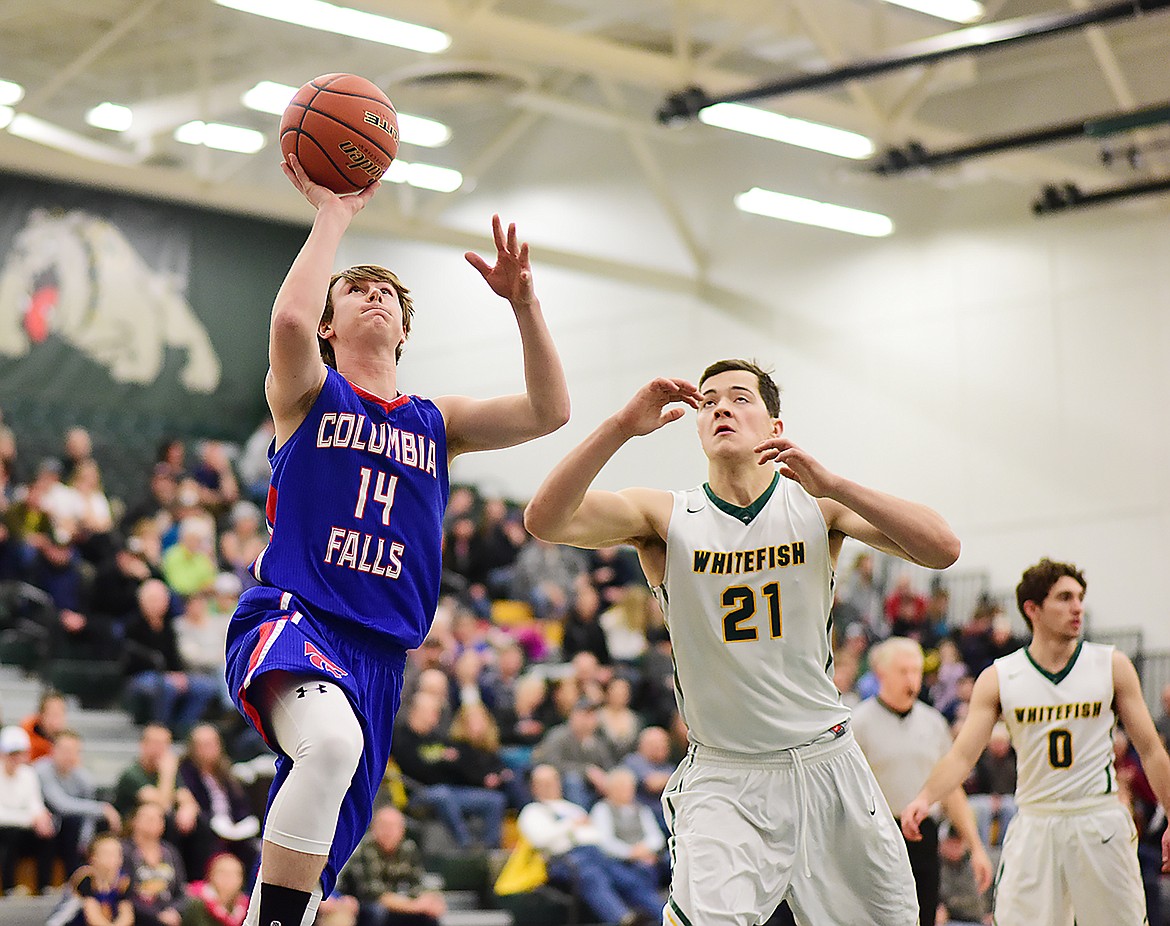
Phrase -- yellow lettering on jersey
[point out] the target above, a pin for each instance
(721, 562)
(1045, 712)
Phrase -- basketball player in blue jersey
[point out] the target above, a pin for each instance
(350, 577)
(774, 800)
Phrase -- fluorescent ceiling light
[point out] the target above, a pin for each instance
(810, 212)
(270, 97)
(53, 136)
(6, 115)
(958, 11)
(220, 136)
(424, 176)
(10, 93)
(426, 133)
(343, 20)
(110, 116)
(791, 131)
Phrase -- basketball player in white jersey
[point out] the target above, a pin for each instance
(774, 799)
(1071, 851)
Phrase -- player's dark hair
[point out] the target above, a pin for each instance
(364, 273)
(769, 391)
(1038, 580)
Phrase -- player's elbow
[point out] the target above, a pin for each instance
(291, 322)
(555, 416)
(945, 552)
(540, 522)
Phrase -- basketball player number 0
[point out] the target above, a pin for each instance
(1060, 749)
(742, 598)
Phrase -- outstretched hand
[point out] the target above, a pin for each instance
(796, 465)
(647, 410)
(511, 277)
(318, 195)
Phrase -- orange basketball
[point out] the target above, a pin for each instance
(342, 129)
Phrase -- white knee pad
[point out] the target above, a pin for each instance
(314, 723)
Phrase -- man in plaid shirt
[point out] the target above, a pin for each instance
(385, 876)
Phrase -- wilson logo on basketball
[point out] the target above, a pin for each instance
(383, 124)
(360, 160)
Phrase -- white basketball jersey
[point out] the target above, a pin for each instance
(1061, 725)
(746, 596)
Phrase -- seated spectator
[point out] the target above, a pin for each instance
(591, 677)
(583, 632)
(616, 722)
(522, 725)
(219, 899)
(563, 834)
(253, 466)
(200, 636)
(629, 831)
(98, 894)
(71, 797)
(652, 766)
(157, 876)
(26, 827)
(468, 678)
(43, 726)
(580, 756)
(153, 778)
(625, 623)
(974, 638)
(477, 738)
(78, 447)
(244, 540)
(944, 693)
(960, 901)
(428, 758)
(613, 570)
(992, 787)
(218, 488)
(189, 565)
(543, 575)
(500, 536)
(500, 678)
(386, 876)
(207, 773)
(173, 696)
(95, 520)
(113, 597)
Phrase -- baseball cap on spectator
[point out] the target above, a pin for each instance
(14, 739)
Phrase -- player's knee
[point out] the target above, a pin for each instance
(335, 750)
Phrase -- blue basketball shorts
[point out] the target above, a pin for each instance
(274, 631)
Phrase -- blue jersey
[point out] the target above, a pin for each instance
(355, 510)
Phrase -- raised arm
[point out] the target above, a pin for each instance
(504, 421)
(890, 524)
(564, 511)
(953, 768)
(1139, 727)
(296, 370)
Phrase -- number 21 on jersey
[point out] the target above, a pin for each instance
(740, 602)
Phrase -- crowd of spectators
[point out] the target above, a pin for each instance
(541, 706)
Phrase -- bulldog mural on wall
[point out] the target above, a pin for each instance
(74, 275)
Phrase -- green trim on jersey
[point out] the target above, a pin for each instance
(1060, 676)
(1108, 779)
(748, 514)
(677, 912)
